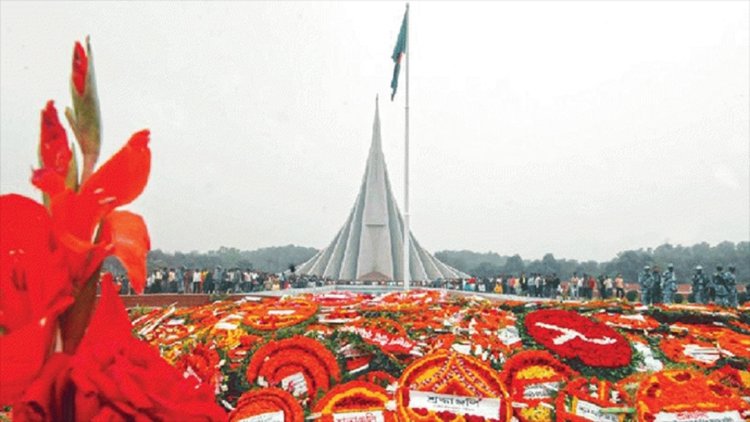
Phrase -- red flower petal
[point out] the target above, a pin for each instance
(128, 375)
(22, 353)
(49, 181)
(80, 68)
(109, 325)
(34, 290)
(119, 181)
(53, 145)
(42, 399)
(33, 280)
(127, 233)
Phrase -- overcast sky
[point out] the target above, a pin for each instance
(578, 128)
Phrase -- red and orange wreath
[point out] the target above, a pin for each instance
(299, 364)
(451, 387)
(588, 399)
(533, 378)
(681, 393)
(354, 401)
(267, 402)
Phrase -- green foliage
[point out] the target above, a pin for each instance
(274, 259)
(236, 381)
(482, 264)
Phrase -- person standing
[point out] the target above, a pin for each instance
(180, 280)
(197, 281)
(720, 287)
(669, 284)
(171, 281)
(619, 286)
(646, 283)
(574, 286)
(700, 286)
(656, 292)
(730, 280)
(524, 284)
(583, 289)
(608, 284)
(583, 286)
(591, 287)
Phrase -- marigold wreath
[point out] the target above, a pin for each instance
(533, 377)
(451, 387)
(300, 364)
(267, 401)
(682, 393)
(354, 401)
(583, 399)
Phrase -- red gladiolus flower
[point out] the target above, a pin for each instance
(34, 290)
(53, 146)
(80, 68)
(114, 376)
(76, 215)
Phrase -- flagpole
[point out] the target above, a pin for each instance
(407, 232)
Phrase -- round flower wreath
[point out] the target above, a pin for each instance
(281, 314)
(533, 377)
(282, 362)
(361, 399)
(692, 350)
(264, 401)
(589, 396)
(452, 374)
(571, 335)
(687, 391)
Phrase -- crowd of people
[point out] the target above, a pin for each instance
(654, 286)
(540, 285)
(720, 288)
(217, 281)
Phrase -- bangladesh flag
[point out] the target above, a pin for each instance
(398, 52)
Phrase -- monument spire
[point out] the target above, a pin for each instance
(370, 245)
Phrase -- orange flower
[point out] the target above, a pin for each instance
(686, 391)
(300, 364)
(449, 374)
(359, 399)
(265, 401)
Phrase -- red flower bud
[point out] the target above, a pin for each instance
(80, 68)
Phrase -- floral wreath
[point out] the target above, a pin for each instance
(267, 401)
(451, 376)
(354, 401)
(686, 391)
(300, 364)
(571, 335)
(533, 377)
(589, 396)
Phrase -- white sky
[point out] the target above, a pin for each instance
(578, 128)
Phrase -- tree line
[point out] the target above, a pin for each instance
(628, 263)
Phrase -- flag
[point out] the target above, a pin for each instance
(398, 52)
